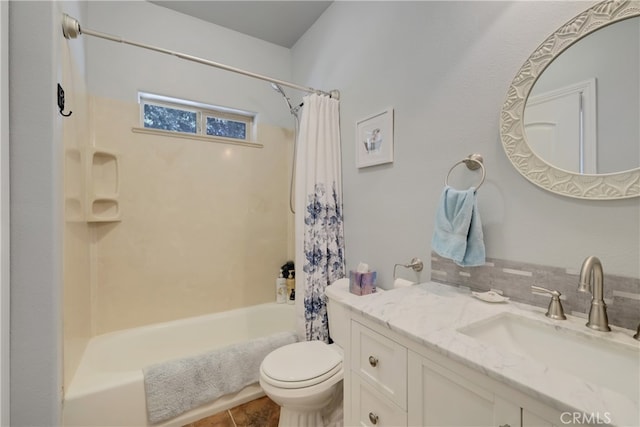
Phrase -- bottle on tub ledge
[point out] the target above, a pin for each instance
(291, 288)
(281, 289)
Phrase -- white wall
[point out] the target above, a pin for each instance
(36, 215)
(119, 71)
(445, 67)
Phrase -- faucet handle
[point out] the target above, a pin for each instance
(555, 310)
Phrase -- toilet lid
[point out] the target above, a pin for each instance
(301, 364)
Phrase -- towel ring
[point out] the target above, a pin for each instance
(473, 162)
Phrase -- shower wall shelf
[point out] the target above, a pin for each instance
(103, 186)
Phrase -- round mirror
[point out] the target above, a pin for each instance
(571, 121)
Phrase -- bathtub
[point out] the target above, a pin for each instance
(108, 389)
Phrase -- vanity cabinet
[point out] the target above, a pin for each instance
(381, 362)
(392, 380)
(378, 368)
(442, 397)
(371, 408)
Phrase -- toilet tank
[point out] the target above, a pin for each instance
(337, 313)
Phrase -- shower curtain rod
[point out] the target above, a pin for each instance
(71, 30)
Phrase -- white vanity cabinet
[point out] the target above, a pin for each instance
(443, 397)
(378, 373)
(391, 380)
(369, 407)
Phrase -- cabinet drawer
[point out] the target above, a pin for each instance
(381, 362)
(371, 408)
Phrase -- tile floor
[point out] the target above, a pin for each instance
(261, 412)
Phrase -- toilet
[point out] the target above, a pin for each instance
(305, 378)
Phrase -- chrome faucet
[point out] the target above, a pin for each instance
(591, 280)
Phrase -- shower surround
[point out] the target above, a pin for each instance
(205, 225)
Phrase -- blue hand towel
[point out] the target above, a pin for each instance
(458, 230)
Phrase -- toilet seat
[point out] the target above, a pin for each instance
(300, 365)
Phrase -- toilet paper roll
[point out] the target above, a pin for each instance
(402, 283)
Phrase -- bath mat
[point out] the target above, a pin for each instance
(176, 386)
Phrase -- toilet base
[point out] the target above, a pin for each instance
(292, 418)
(321, 408)
(330, 415)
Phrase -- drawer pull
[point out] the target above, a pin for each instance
(373, 418)
(505, 425)
(373, 361)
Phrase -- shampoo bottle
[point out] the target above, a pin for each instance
(291, 288)
(281, 289)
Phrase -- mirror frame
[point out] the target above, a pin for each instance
(619, 185)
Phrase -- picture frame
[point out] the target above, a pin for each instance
(374, 139)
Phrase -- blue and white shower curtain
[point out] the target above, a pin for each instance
(318, 220)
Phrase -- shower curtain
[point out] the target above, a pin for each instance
(318, 220)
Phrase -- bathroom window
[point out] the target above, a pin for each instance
(167, 118)
(189, 117)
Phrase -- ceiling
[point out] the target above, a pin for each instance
(278, 22)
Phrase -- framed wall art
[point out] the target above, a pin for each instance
(374, 139)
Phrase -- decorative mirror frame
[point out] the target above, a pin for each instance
(620, 185)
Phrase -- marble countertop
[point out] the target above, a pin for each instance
(432, 313)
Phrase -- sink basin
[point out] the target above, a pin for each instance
(612, 365)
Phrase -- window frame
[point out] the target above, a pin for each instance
(203, 111)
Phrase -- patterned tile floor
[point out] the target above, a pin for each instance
(261, 412)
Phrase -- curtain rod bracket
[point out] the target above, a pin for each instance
(70, 27)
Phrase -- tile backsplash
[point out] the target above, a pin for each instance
(514, 279)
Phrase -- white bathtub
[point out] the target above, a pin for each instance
(108, 388)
